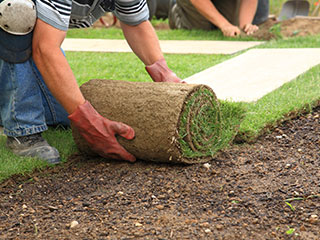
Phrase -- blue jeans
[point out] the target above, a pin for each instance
(26, 105)
(262, 12)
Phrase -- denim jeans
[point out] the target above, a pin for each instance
(262, 12)
(26, 105)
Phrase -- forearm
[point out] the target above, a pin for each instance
(143, 41)
(54, 67)
(247, 11)
(59, 79)
(210, 12)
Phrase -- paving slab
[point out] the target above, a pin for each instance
(167, 46)
(253, 74)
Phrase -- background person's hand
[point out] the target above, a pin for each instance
(230, 30)
(249, 28)
(160, 72)
(100, 133)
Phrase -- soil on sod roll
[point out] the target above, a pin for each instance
(172, 122)
(243, 194)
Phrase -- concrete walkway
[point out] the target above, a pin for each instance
(167, 46)
(256, 72)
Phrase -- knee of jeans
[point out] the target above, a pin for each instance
(259, 19)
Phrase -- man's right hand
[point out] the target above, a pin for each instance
(230, 30)
(160, 72)
(100, 133)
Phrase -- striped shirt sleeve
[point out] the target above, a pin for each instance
(131, 12)
(55, 12)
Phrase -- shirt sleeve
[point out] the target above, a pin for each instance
(55, 12)
(131, 12)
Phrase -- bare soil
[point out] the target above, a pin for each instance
(240, 194)
(300, 26)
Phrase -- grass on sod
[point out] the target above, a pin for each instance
(296, 96)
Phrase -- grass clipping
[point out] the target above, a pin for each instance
(173, 122)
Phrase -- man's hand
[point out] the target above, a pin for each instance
(100, 133)
(160, 72)
(230, 30)
(249, 28)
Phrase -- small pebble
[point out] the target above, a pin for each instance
(255, 221)
(302, 228)
(288, 165)
(205, 224)
(74, 224)
(313, 219)
(52, 208)
(160, 207)
(207, 165)
(31, 210)
(219, 226)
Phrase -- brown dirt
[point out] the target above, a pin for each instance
(240, 195)
(300, 26)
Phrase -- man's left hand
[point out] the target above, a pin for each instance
(249, 28)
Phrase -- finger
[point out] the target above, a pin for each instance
(125, 155)
(249, 31)
(123, 130)
(114, 151)
(121, 154)
(253, 29)
(229, 33)
(174, 78)
(246, 28)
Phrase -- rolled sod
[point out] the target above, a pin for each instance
(173, 122)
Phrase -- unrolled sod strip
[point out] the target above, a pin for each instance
(173, 122)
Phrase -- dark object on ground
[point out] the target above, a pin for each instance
(173, 122)
(242, 195)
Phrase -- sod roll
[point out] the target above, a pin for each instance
(173, 122)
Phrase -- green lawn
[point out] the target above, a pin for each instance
(295, 97)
